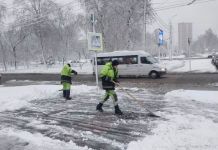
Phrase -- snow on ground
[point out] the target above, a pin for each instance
(201, 96)
(189, 120)
(34, 141)
(197, 65)
(12, 98)
(191, 123)
(214, 84)
(85, 68)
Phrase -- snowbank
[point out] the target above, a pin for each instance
(181, 129)
(35, 141)
(180, 134)
(201, 96)
(197, 65)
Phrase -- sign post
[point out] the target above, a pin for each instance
(159, 40)
(95, 44)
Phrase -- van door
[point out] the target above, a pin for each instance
(145, 66)
(128, 65)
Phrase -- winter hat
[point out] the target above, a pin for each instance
(69, 63)
(115, 63)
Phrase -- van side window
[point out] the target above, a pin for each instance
(103, 60)
(144, 60)
(121, 59)
(130, 60)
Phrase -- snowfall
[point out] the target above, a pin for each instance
(193, 129)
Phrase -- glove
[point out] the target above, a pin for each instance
(74, 72)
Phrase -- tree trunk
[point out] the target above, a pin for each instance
(27, 58)
(3, 56)
(15, 57)
(42, 48)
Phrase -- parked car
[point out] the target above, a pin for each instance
(210, 56)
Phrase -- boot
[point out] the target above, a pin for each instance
(99, 107)
(68, 95)
(117, 110)
(64, 93)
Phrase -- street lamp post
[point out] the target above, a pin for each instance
(171, 37)
(189, 53)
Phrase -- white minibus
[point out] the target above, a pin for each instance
(132, 63)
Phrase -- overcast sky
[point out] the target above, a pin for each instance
(202, 15)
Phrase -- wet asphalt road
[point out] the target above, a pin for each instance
(198, 81)
(77, 120)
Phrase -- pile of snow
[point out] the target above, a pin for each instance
(197, 65)
(172, 65)
(180, 133)
(182, 130)
(200, 96)
(34, 141)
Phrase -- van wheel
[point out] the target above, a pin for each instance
(153, 75)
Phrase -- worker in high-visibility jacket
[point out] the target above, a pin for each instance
(109, 75)
(66, 74)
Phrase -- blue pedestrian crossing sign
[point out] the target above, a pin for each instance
(160, 37)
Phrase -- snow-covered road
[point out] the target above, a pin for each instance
(40, 123)
(35, 117)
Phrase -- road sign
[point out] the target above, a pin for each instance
(95, 41)
(160, 37)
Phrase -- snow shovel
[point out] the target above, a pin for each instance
(151, 114)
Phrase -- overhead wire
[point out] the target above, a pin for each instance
(181, 5)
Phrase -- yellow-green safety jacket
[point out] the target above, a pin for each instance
(66, 73)
(108, 74)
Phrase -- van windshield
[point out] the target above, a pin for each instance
(152, 59)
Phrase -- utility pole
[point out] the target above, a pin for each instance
(170, 41)
(145, 20)
(171, 37)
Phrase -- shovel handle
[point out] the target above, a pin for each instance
(130, 95)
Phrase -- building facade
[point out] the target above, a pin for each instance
(184, 36)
